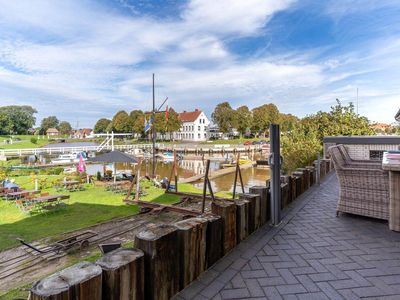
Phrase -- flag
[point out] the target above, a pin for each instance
(81, 166)
(147, 124)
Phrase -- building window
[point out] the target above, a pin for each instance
(199, 128)
(205, 135)
(199, 135)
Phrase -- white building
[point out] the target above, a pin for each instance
(194, 126)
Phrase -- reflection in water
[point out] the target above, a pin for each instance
(191, 167)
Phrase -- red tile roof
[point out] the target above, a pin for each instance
(189, 116)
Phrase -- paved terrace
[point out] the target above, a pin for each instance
(311, 255)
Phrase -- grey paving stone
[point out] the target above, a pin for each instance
(235, 293)
(272, 293)
(291, 289)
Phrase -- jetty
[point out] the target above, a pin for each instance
(217, 173)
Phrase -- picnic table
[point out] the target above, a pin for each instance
(20, 194)
(118, 187)
(71, 185)
(42, 203)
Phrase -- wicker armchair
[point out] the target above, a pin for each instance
(358, 163)
(363, 190)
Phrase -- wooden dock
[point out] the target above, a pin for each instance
(217, 173)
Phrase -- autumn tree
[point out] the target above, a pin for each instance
(64, 127)
(288, 122)
(244, 119)
(225, 117)
(121, 122)
(101, 125)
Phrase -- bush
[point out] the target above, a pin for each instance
(98, 176)
(34, 140)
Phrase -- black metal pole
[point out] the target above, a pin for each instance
(203, 205)
(275, 163)
(154, 133)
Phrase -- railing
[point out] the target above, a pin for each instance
(60, 150)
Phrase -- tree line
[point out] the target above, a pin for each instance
(134, 122)
(21, 119)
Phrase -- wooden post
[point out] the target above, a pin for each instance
(123, 274)
(81, 281)
(214, 238)
(227, 211)
(284, 195)
(311, 170)
(293, 188)
(305, 178)
(161, 259)
(254, 210)
(298, 182)
(265, 207)
(192, 249)
(242, 219)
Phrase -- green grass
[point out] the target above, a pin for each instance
(85, 208)
(24, 143)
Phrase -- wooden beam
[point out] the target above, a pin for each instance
(153, 205)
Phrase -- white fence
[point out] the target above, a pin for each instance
(61, 150)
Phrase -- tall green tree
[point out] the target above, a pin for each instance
(64, 127)
(16, 119)
(101, 125)
(263, 116)
(49, 122)
(288, 122)
(225, 117)
(244, 119)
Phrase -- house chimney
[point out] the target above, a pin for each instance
(196, 109)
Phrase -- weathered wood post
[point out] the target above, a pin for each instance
(254, 210)
(265, 207)
(299, 182)
(227, 211)
(312, 172)
(192, 249)
(123, 274)
(81, 281)
(214, 238)
(242, 219)
(306, 178)
(285, 191)
(293, 188)
(161, 259)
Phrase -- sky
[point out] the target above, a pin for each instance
(84, 60)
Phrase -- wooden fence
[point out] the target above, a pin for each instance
(168, 257)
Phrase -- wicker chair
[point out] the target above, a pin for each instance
(356, 162)
(363, 190)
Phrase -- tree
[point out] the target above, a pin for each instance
(288, 122)
(244, 119)
(225, 117)
(64, 127)
(16, 119)
(134, 114)
(341, 120)
(101, 125)
(49, 122)
(138, 125)
(263, 116)
(121, 122)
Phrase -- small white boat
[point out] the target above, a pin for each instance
(70, 158)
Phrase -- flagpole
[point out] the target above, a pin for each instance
(154, 133)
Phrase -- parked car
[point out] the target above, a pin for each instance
(256, 143)
(264, 142)
(248, 143)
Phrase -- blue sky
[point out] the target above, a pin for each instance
(82, 60)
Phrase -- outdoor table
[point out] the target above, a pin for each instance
(72, 182)
(15, 195)
(41, 201)
(391, 163)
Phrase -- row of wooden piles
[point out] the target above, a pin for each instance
(168, 257)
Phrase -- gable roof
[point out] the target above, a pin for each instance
(189, 116)
(52, 130)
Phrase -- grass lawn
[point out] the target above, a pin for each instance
(24, 143)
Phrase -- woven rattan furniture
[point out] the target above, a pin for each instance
(393, 166)
(363, 190)
(356, 162)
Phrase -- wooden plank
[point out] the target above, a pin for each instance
(214, 238)
(265, 207)
(254, 211)
(153, 205)
(123, 274)
(242, 219)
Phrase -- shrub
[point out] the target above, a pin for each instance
(98, 176)
(34, 140)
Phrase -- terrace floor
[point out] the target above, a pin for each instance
(311, 255)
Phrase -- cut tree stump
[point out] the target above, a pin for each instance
(265, 207)
(254, 210)
(123, 274)
(242, 219)
(81, 281)
(192, 249)
(214, 238)
(227, 211)
(161, 260)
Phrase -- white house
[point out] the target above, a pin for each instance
(194, 126)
